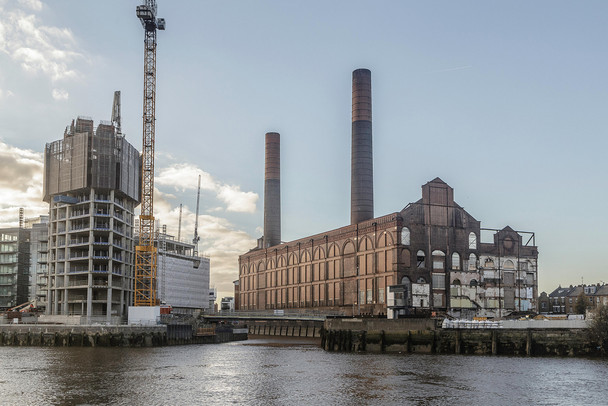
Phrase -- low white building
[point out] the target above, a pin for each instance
(183, 278)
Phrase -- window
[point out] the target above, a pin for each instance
(489, 263)
(438, 260)
(509, 264)
(421, 280)
(405, 236)
(473, 283)
(381, 295)
(438, 281)
(472, 241)
(472, 262)
(420, 259)
(455, 261)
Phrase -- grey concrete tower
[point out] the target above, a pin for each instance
(272, 191)
(362, 165)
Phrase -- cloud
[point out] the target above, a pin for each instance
(37, 48)
(184, 177)
(35, 5)
(20, 184)
(5, 94)
(236, 200)
(220, 240)
(60, 94)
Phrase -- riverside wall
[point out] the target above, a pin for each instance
(426, 336)
(286, 328)
(83, 336)
(111, 336)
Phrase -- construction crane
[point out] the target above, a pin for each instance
(179, 224)
(146, 292)
(196, 238)
(116, 112)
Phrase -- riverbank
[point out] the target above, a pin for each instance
(39, 335)
(425, 336)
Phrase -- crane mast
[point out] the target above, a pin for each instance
(196, 238)
(146, 292)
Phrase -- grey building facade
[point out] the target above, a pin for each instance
(14, 266)
(92, 184)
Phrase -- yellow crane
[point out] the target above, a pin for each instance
(146, 293)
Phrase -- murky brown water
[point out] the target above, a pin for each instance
(288, 372)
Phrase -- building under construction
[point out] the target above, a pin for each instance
(92, 184)
(427, 257)
(183, 276)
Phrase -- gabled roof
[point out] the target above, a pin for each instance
(560, 292)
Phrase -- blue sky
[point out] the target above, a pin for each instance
(505, 101)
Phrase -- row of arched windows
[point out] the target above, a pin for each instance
(406, 238)
(438, 258)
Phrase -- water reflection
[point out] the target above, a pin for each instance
(289, 371)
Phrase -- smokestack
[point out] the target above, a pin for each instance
(272, 191)
(362, 165)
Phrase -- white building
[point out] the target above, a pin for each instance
(183, 279)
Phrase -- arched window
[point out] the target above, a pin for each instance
(509, 265)
(405, 236)
(455, 261)
(489, 263)
(438, 260)
(405, 281)
(421, 280)
(473, 282)
(472, 241)
(420, 259)
(472, 262)
(456, 282)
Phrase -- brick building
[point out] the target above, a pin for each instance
(430, 252)
(427, 257)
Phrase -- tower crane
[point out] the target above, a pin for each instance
(116, 119)
(196, 238)
(145, 253)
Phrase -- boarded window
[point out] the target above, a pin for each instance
(405, 236)
(472, 241)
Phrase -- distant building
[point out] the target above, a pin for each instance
(183, 279)
(227, 304)
(212, 299)
(14, 266)
(39, 248)
(92, 184)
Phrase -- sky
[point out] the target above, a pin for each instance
(504, 101)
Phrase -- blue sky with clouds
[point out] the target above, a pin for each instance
(505, 101)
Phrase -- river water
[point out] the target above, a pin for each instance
(267, 371)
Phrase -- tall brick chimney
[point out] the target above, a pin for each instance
(362, 165)
(272, 190)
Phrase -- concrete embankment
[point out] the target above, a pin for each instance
(426, 336)
(112, 336)
(83, 336)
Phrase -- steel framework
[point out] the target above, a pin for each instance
(146, 290)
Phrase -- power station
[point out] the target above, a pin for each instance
(427, 258)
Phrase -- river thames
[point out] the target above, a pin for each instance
(265, 371)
